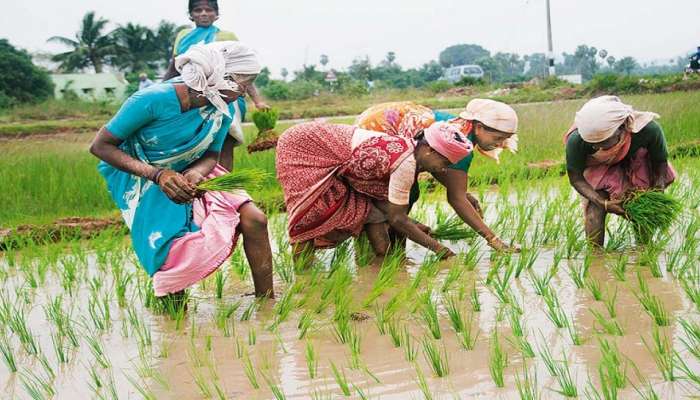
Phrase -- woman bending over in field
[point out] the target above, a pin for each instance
(339, 180)
(612, 150)
(490, 125)
(164, 141)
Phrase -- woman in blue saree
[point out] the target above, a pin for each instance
(163, 142)
(204, 13)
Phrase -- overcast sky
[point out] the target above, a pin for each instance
(288, 33)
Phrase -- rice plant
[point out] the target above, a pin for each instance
(8, 354)
(526, 261)
(547, 357)
(619, 268)
(410, 350)
(474, 299)
(692, 333)
(691, 287)
(651, 212)
(249, 371)
(554, 310)
(522, 345)
(423, 384)
(541, 283)
(610, 302)
(37, 386)
(690, 374)
(661, 350)
(428, 312)
(386, 276)
(593, 286)
(453, 275)
(609, 325)
(247, 179)
(611, 364)
(567, 384)
(311, 360)
(437, 360)
(574, 334)
(274, 387)
(451, 228)
(341, 379)
(652, 304)
(527, 384)
(498, 360)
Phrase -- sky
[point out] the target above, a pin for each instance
(290, 33)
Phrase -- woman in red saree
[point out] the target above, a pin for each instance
(612, 150)
(339, 180)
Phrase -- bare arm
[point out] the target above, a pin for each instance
(398, 219)
(196, 172)
(585, 189)
(456, 181)
(257, 98)
(105, 146)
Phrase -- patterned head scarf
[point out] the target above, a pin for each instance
(495, 115)
(204, 68)
(448, 140)
(600, 117)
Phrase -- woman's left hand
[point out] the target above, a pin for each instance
(475, 203)
(498, 245)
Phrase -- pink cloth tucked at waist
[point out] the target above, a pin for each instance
(619, 179)
(196, 255)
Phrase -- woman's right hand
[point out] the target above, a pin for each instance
(497, 244)
(444, 253)
(176, 187)
(615, 207)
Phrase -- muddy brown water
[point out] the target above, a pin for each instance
(179, 358)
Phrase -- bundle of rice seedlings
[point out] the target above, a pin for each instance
(651, 211)
(452, 228)
(248, 179)
(265, 121)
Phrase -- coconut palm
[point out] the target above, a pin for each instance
(90, 47)
(165, 34)
(136, 48)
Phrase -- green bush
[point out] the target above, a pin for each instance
(265, 120)
(277, 90)
(439, 86)
(469, 81)
(301, 90)
(21, 80)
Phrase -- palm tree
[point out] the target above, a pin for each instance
(136, 48)
(165, 34)
(89, 48)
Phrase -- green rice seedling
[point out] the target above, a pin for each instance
(574, 334)
(386, 276)
(8, 354)
(250, 310)
(646, 391)
(516, 326)
(311, 360)
(437, 360)
(202, 383)
(380, 319)
(474, 299)
(248, 179)
(454, 311)
(593, 286)
(59, 348)
(249, 371)
(527, 384)
(611, 364)
(451, 228)
(651, 212)
(363, 250)
(429, 314)
(610, 301)
(427, 271)
(395, 333)
(652, 304)
(410, 350)
(471, 258)
(692, 333)
(526, 261)
(355, 349)
(343, 330)
(423, 384)
(609, 326)
(578, 274)
(37, 386)
(498, 360)
(522, 345)
(95, 347)
(283, 308)
(690, 374)
(141, 387)
(17, 322)
(619, 268)
(618, 239)
(547, 358)
(469, 334)
(223, 315)
(341, 379)
(219, 282)
(650, 258)
(121, 286)
(567, 384)
(662, 352)
(306, 322)
(252, 336)
(274, 387)
(554, 311)
(455, 273)
(692, 290)
(540, 283)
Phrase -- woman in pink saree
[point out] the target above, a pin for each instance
(340, 180)
(612, 150)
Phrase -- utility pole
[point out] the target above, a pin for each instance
(550, 53)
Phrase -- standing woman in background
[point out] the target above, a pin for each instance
(204, 13)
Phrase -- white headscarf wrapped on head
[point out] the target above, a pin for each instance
(204, 68)
(495, 115)
(600, 117)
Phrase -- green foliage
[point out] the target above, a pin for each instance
(21, 81)
(652, 211)
(265, 120)
(462, 54)
(277, 90)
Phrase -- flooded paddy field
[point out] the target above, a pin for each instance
(79, 320)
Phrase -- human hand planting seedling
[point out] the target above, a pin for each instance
(651, 211)
(250, 179)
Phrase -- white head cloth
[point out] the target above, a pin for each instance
(495, 115)
(600, 117)
(204, 66)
